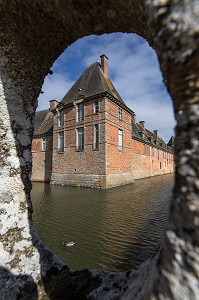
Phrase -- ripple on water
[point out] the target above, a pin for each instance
(114, 229)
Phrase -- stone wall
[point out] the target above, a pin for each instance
(33, 35)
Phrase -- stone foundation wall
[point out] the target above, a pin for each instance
(84, 180)
(117, 179)
(91, 180)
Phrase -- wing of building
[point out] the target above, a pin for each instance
(91, 138)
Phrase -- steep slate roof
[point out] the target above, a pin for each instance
(171, 141)
(43, 122)
(91, 82)
(136, 128)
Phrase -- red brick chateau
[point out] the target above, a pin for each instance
(91, 138)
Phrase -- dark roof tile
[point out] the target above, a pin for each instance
(43, 122)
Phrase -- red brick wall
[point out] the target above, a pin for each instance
(88, 161)
(118, 161)
(41, 160)
(145, 165)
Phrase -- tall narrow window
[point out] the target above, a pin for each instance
(144, 149)
(119, 113)
(160, 165)
(61, 118)
(44, 144)
(80, 112)
(96, 136)
(120, 140)
(61, 141)
(96, 107)
(80, 138)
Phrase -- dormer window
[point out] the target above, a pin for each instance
(141, 133)
(96, 107)
(80, 112)
(61, 118)
(119, 113)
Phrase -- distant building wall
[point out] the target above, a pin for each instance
(149, 161)
(41, 160)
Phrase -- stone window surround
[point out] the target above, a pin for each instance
(44, 143)
(96, 139)
(61, 141)
(96, 106)
(80, 138)
(120, 140)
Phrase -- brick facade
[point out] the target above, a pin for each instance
(41, 160)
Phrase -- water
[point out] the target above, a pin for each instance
(113, 229)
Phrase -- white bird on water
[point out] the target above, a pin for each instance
(69, 244)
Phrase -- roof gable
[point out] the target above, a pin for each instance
(91, 82)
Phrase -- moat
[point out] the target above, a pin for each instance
(113, 229)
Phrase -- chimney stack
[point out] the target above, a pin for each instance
(155, 133)
(142, 123)
(133, 117)
(53, 104)
(104, 64)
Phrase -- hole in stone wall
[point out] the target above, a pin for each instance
(114, 229)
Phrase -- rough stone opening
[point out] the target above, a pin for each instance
(135, 51)
(24, 63)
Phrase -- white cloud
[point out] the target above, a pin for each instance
(54, 87)
(133, 69)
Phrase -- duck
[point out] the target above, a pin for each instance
(69, 244)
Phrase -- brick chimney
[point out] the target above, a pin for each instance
(53, 104)
(155, 133)
(104, 64)
(142, 123)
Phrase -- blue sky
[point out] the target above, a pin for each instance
(133, 69)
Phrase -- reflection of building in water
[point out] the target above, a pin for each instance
(91, 138)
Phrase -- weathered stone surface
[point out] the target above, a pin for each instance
(32, 36)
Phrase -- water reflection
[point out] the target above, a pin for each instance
(112, 229)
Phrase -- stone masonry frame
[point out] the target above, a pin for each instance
(33, 35)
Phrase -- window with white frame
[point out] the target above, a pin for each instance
(80, 138)
(96, 107)
(61, 117)
(80, 112)
(44, 144)
(119, 113)
(96, 136)
(61, 141)
(120, 140)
